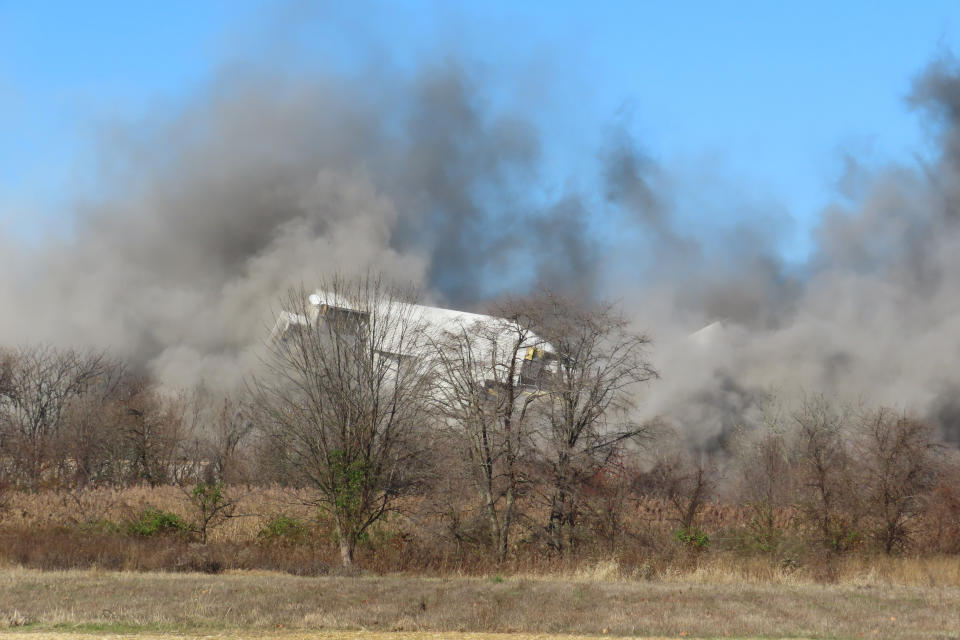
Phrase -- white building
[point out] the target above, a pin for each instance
(493, 340)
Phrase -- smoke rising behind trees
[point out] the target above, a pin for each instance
(267, 179)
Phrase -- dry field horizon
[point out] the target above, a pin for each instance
(60, 604)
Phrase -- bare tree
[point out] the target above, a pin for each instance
(899, 461)
(687, 481)
(39, 384)
(90, 434)
(827, 495)
(766, 479)
(221, 431)
(606, 499)
(485, 395)
(590, 381)
(7, 363)
(942, 512)
(8, 435)
(154, 431)
(342, 398)
(232, 427)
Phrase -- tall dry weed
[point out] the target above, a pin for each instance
(68, 530)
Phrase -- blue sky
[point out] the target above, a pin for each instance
(768, 95)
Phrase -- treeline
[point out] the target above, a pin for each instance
(514, 434)
(77, 419)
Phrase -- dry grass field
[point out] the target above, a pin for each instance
(321, 635)
(100, 581)
(261, 604)
(258, 506)
(55, 530)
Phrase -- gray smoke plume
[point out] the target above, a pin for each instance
(267, 179)
(873, 317)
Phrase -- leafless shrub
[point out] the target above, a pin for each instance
(152, 433)
(606, 501)
(899, 462)
(228, 446)
(942, 512)
(4, 494)
(828, 495)
(489, 409)
(765, 478)
(37, 385)
(686, 482)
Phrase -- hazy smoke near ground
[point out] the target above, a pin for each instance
(872, 318)
(266, 180)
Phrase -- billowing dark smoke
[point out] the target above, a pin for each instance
(267, 180)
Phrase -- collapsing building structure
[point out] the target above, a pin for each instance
(492, 337)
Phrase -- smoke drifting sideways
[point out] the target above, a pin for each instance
(266, 180)
(872, 318)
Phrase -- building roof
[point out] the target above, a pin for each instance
(437, 320)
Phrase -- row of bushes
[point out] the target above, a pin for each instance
(162, 541)
(153, 522)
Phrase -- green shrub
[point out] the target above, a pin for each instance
(692, 538)
(283, 529)
(763, 533)
(843, 540)
(152, 522)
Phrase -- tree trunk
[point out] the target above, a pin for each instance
(557, 517)
(490, 505)
(507, 521)
(561, 517)
(347, 544)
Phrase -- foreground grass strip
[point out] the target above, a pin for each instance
(326, 635)
(230, 605)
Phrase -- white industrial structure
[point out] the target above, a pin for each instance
(493, 339)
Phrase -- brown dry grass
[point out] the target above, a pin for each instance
(46, 530)
(92, 600)
(50, 509)
(62, 550)
(328, 635)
